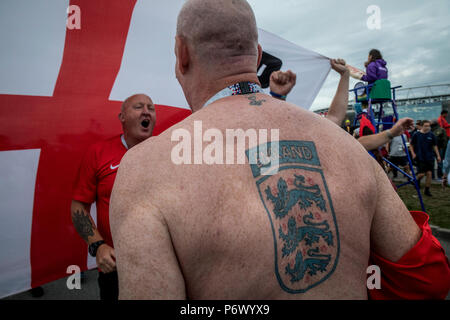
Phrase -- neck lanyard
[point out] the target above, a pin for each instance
(235, 89)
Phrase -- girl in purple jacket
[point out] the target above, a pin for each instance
(375, 68)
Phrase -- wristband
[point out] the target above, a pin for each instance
(276, 95)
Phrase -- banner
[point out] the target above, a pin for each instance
(66, 66)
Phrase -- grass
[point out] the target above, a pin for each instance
(437, 206)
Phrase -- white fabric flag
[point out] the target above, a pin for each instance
(143, 69)
(311, 68)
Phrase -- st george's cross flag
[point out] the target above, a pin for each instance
(65, 68)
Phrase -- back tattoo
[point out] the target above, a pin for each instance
(301, 214)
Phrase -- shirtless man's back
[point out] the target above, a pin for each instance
(228, 231)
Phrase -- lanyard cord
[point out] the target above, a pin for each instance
(235, 89)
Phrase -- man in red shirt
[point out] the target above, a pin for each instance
(443, 122)
(94, 183)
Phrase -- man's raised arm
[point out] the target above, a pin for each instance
(338, 107)
(146, 261)
(375, 141)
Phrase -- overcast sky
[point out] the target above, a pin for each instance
(414, 37)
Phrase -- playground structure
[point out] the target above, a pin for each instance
(381, 93)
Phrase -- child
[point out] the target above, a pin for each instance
(375, 68)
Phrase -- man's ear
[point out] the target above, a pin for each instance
(260, 51)
(121, 117)
(182, 54)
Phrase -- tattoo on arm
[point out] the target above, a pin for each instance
(83, 224)
(253, 101)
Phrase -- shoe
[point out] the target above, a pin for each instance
(37, 292)
(427, 193)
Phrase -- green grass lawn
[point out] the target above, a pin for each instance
(437, 206)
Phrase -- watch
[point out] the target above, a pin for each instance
(93, 247)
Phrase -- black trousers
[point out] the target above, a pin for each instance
(109, 286)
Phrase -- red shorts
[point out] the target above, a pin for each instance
(422, 273)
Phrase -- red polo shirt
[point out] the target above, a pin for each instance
(96, 177)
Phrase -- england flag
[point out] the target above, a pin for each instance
(65, 68)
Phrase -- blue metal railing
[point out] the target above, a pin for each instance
(412, 179)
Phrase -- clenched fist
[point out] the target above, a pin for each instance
(338, 65)
(106, 258)
(282, 82)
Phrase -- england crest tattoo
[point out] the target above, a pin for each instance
(301, 214)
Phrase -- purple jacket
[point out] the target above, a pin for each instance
(375, 71)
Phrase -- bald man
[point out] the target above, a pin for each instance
(95, 181)
(209, 219)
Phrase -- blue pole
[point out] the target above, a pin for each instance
(416, 183)
(410, 178)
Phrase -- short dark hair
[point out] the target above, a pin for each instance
(376, 54)
(419, 122)
(426, 121)
(444, 112)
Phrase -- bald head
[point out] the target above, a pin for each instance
(219, 30)
(130, 100)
